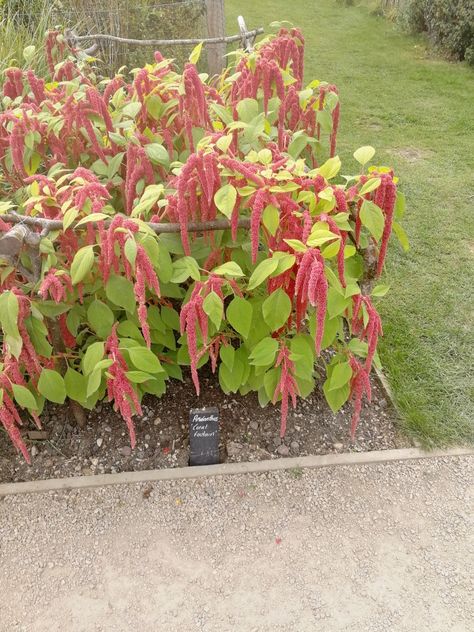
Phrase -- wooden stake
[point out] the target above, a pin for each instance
(215, 28)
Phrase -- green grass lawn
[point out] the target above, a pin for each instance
(419, 114)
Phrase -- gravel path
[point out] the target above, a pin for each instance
(356, 548)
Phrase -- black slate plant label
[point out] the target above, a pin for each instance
(204, 436)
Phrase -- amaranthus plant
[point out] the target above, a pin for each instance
(177, 219)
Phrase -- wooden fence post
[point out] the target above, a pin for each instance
(215, 28)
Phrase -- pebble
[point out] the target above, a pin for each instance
(157, 421)
(253, 425)
(338, 446)
(283, 450)
(233, 448)
(126, 450)
(34, 451)
(100, 441)
(295, 446)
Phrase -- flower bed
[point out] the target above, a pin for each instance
(117, 277)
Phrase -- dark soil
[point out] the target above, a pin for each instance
(248, 433)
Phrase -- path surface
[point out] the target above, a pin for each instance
(356, 548)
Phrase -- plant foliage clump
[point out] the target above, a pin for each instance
(98, 301)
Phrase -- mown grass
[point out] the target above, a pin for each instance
(417, 111)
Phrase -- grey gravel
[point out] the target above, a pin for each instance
(283, 450)
(374, 548)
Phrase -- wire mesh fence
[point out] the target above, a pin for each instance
(136, 19)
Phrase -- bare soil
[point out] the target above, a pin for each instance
(247, 433)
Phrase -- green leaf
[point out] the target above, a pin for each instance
(225, 199)
(82, 264)
(114, 164)
(184, 268)
(297, 145)
(230, 380)
(285, 262)
(401, 236)
(154, 105)
(69, 217)
(364, 154)
(214, 308)
(164, 264)
(359, 347)
(247, 110)
(93, 217)
(230, 268)
(9, 309)
(302, 354)
(38, 333)
(271, 219)
(264, 353)
(94, 353)
(132, 109)
(262, 272)
(296, 244)
(330, 168)
(265, 156)
(331, 250)
(29, 53)
(24, 397)
(336, 398)
(224, 142)
(196, 53)
(351, 290)
(276, 309)
(145, 360)
(370, 185)
(270, 381)
(372, 217)
(130, 250)
(380, 290)
(324, 119)
(101, 318)
(227, 355)
(93, 381)
(321, 236)
(340, 375)
(239, 315)
(76, 385)
(149, 198)
(400, 205)
(138, 377)
(157, 153)
(170, 317)
(119, 291)
(51, 385)
(337, 303)
(127, 329)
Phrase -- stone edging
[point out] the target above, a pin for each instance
(223, 469)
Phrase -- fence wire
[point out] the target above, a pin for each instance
(135, 19)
